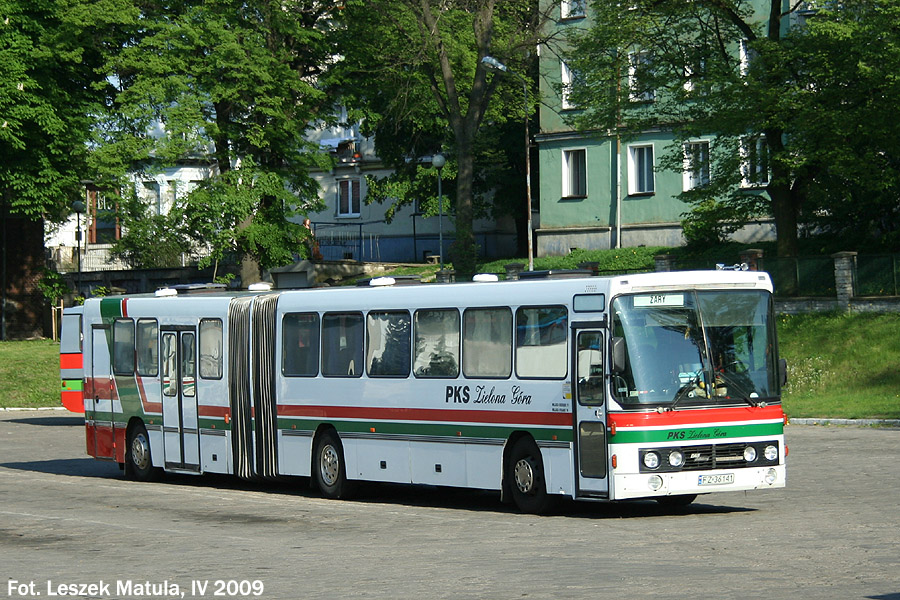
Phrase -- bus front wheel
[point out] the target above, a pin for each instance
(527, 482)
(138, 461)
(330, 470)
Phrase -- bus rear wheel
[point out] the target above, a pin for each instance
(138, 460)
(329, 468)
(527, 482)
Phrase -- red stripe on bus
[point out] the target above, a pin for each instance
(427, 414)
(71, 361)
(697, 417)
(73, 401)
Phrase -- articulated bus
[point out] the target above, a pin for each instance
(662, 385)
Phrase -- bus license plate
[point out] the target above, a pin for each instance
(722, 479)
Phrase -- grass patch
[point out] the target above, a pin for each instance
(841, 365)
(29, 374)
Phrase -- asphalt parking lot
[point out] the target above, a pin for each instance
(70, 525)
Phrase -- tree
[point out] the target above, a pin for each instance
(413, 68)
(50, 88)
(739, 70)
(234, 83)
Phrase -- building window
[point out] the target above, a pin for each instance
(571, 9)
(747, 56)
(696, 165)
(754, 161)
(574, 174)
(640, 85)
(104, 223)
(568, 78)
(348, 197)
(640, 169)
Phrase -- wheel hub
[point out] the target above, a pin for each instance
(524, 475)
(140, 452)
(329, 465)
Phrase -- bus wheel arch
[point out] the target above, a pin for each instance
(329, 467)
(138, 454)
(524, 476)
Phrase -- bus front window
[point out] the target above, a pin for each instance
(695, 348)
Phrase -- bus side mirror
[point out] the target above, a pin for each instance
(782, 371)
(617, 356)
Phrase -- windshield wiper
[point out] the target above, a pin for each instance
(741, 392)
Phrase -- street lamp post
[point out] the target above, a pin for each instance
(493, 64)
(438, 161)
(78, 206)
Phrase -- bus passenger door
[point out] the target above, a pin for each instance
(101, 393)
(589, 405)
(181, 433)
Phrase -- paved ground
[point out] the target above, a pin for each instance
(834, 532)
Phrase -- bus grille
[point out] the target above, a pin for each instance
(720, 456)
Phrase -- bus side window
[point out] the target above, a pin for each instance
(147, 348)
(387, 354)
(437, 343)
(123, 347)
(300, 345)
(342, 344)
(541, 333)
(211, 348)
(487, 342)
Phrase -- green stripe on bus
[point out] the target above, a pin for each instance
(696, 434)
(73, 385)
(110, 308)
(432, 430)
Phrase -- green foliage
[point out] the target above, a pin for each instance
(149, 240)
(53, 286)
(51, 87)
(841, 365)
(29, 372)
(413, 70)
(233, 86)
(820, 92)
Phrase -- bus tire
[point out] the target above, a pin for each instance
(138, 460)
(526, 477)
(680, 501)
(329, 468)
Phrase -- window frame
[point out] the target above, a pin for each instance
(752, 166)
(565, 345)
(354, 201)
(314, 344)
(119, 369)
(692, 177)
(139, 343)
(359, 348)
(415, 342)
(200, 339)
(638, 61)
(633, 171)
(568, 172)
(368, 349)
(463, 339)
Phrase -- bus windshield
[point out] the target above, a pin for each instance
(696, 348)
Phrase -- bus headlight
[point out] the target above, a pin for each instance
(651, 461)
(771, 452)
(749, 453)
(771, 476)
(676, 458)
(655, 482)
